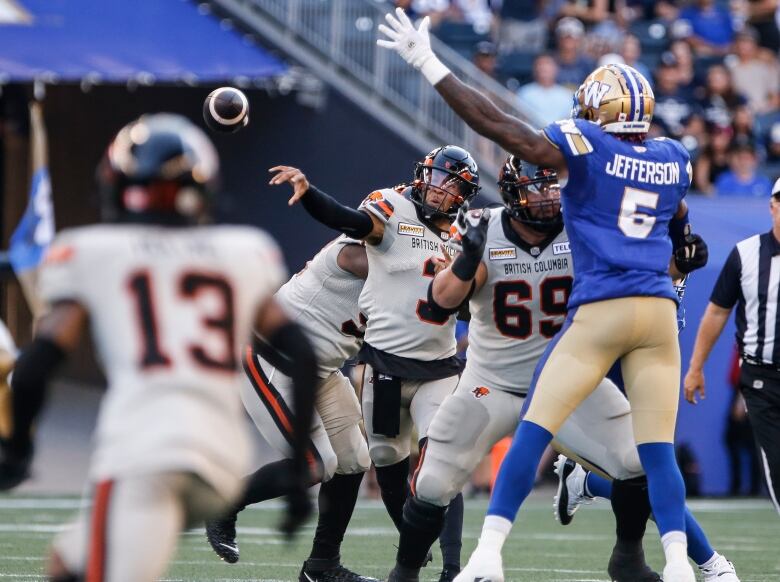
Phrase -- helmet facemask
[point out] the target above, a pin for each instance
(447, 178)
(534, 201)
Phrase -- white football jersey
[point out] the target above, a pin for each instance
(400, 269)
(521, 306)
(323, 299)
(171, 310)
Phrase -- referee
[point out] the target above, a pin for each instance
(750, 279)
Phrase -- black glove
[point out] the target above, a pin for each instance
(692, 255)
(298, 510)
(14, 465)
(470, 238)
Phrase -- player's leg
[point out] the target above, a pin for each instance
(267, 394)
(425, 404)
(388, 446)
(462, 432)
(651, 372)
(340, 412)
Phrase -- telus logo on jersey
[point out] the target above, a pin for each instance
(503, 254)
(410, 229)
(561, 248)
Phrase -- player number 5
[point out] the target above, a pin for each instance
(633, 223)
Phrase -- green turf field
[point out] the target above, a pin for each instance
(747, 532)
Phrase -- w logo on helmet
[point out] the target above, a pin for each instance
(594, 93)
(480, 391)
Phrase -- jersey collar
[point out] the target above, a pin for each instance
(514, 238)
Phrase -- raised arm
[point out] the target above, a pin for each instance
(326, 209)
(482, 115)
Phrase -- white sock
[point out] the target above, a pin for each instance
(709, 563)
(495, 530)
(675, 546)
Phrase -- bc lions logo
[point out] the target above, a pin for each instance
(480, 391)
(594, 93)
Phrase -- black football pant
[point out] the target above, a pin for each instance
(761, 388)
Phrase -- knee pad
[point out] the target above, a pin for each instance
(351, 451)
(435, 487)
(385, 454)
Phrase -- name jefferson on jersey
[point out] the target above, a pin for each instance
(170, 311)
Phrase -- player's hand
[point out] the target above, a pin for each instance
(483, 565)
(442, 262)
(14, 466)
(298, 510)
(692, 255)
(693, 385)
(470, 231)
(294, 177)
(412, 44)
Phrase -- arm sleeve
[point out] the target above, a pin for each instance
(60, 275)
(336, 215)
(726, 291)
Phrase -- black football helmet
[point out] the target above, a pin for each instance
(515, 185)
(159, 168)
(453, 172)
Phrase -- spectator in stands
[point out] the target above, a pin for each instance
(773, 143)
(485, 58)
(545, 98)
(757, 78)
(417, 9)
(573, 65)
(713, 160)
(686, 70)
(720, 100)
(666, 10)
(743, 124)
(523, 26)
(742, 178)
(673, 104)
(763, 16)
(589, 11)
(712, 27)
(477, 13)
(631, 51)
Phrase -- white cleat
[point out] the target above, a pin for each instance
(679, 572)
(571, 490)
(484, 566)
(720, 571)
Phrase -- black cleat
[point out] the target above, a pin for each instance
(403, 574)
(631, 567)
(449, 573)
(324, 570)
(221, 534)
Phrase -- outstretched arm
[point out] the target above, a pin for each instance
(482, 115)
(327, 210)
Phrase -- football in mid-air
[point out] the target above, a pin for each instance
(226, 110)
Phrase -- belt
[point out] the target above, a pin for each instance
(759, 364)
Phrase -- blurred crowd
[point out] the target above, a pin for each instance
(713, 64)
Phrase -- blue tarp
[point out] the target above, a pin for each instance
(118, 40)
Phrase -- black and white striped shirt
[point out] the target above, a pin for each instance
(751, 280)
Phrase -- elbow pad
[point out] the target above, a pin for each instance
(332, 213)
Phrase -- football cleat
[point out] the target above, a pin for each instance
(329, 570)
(720, 571)
(630, 567)
(221, 535)
(484, 566)
(448, 574)
(571, 490)
(679, 571)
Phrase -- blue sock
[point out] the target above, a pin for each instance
(597, 486)
(518, 471)
(665, 486)
(699, 548)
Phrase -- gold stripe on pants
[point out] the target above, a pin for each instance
(642, 333)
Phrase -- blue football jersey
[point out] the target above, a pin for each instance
(617, 204)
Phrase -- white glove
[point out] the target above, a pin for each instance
(484, 565)
(413, 44)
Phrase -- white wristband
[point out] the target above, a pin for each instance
(434, 70)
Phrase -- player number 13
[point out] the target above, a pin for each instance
(631, 222)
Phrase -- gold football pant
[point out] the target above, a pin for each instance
(639, 331)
